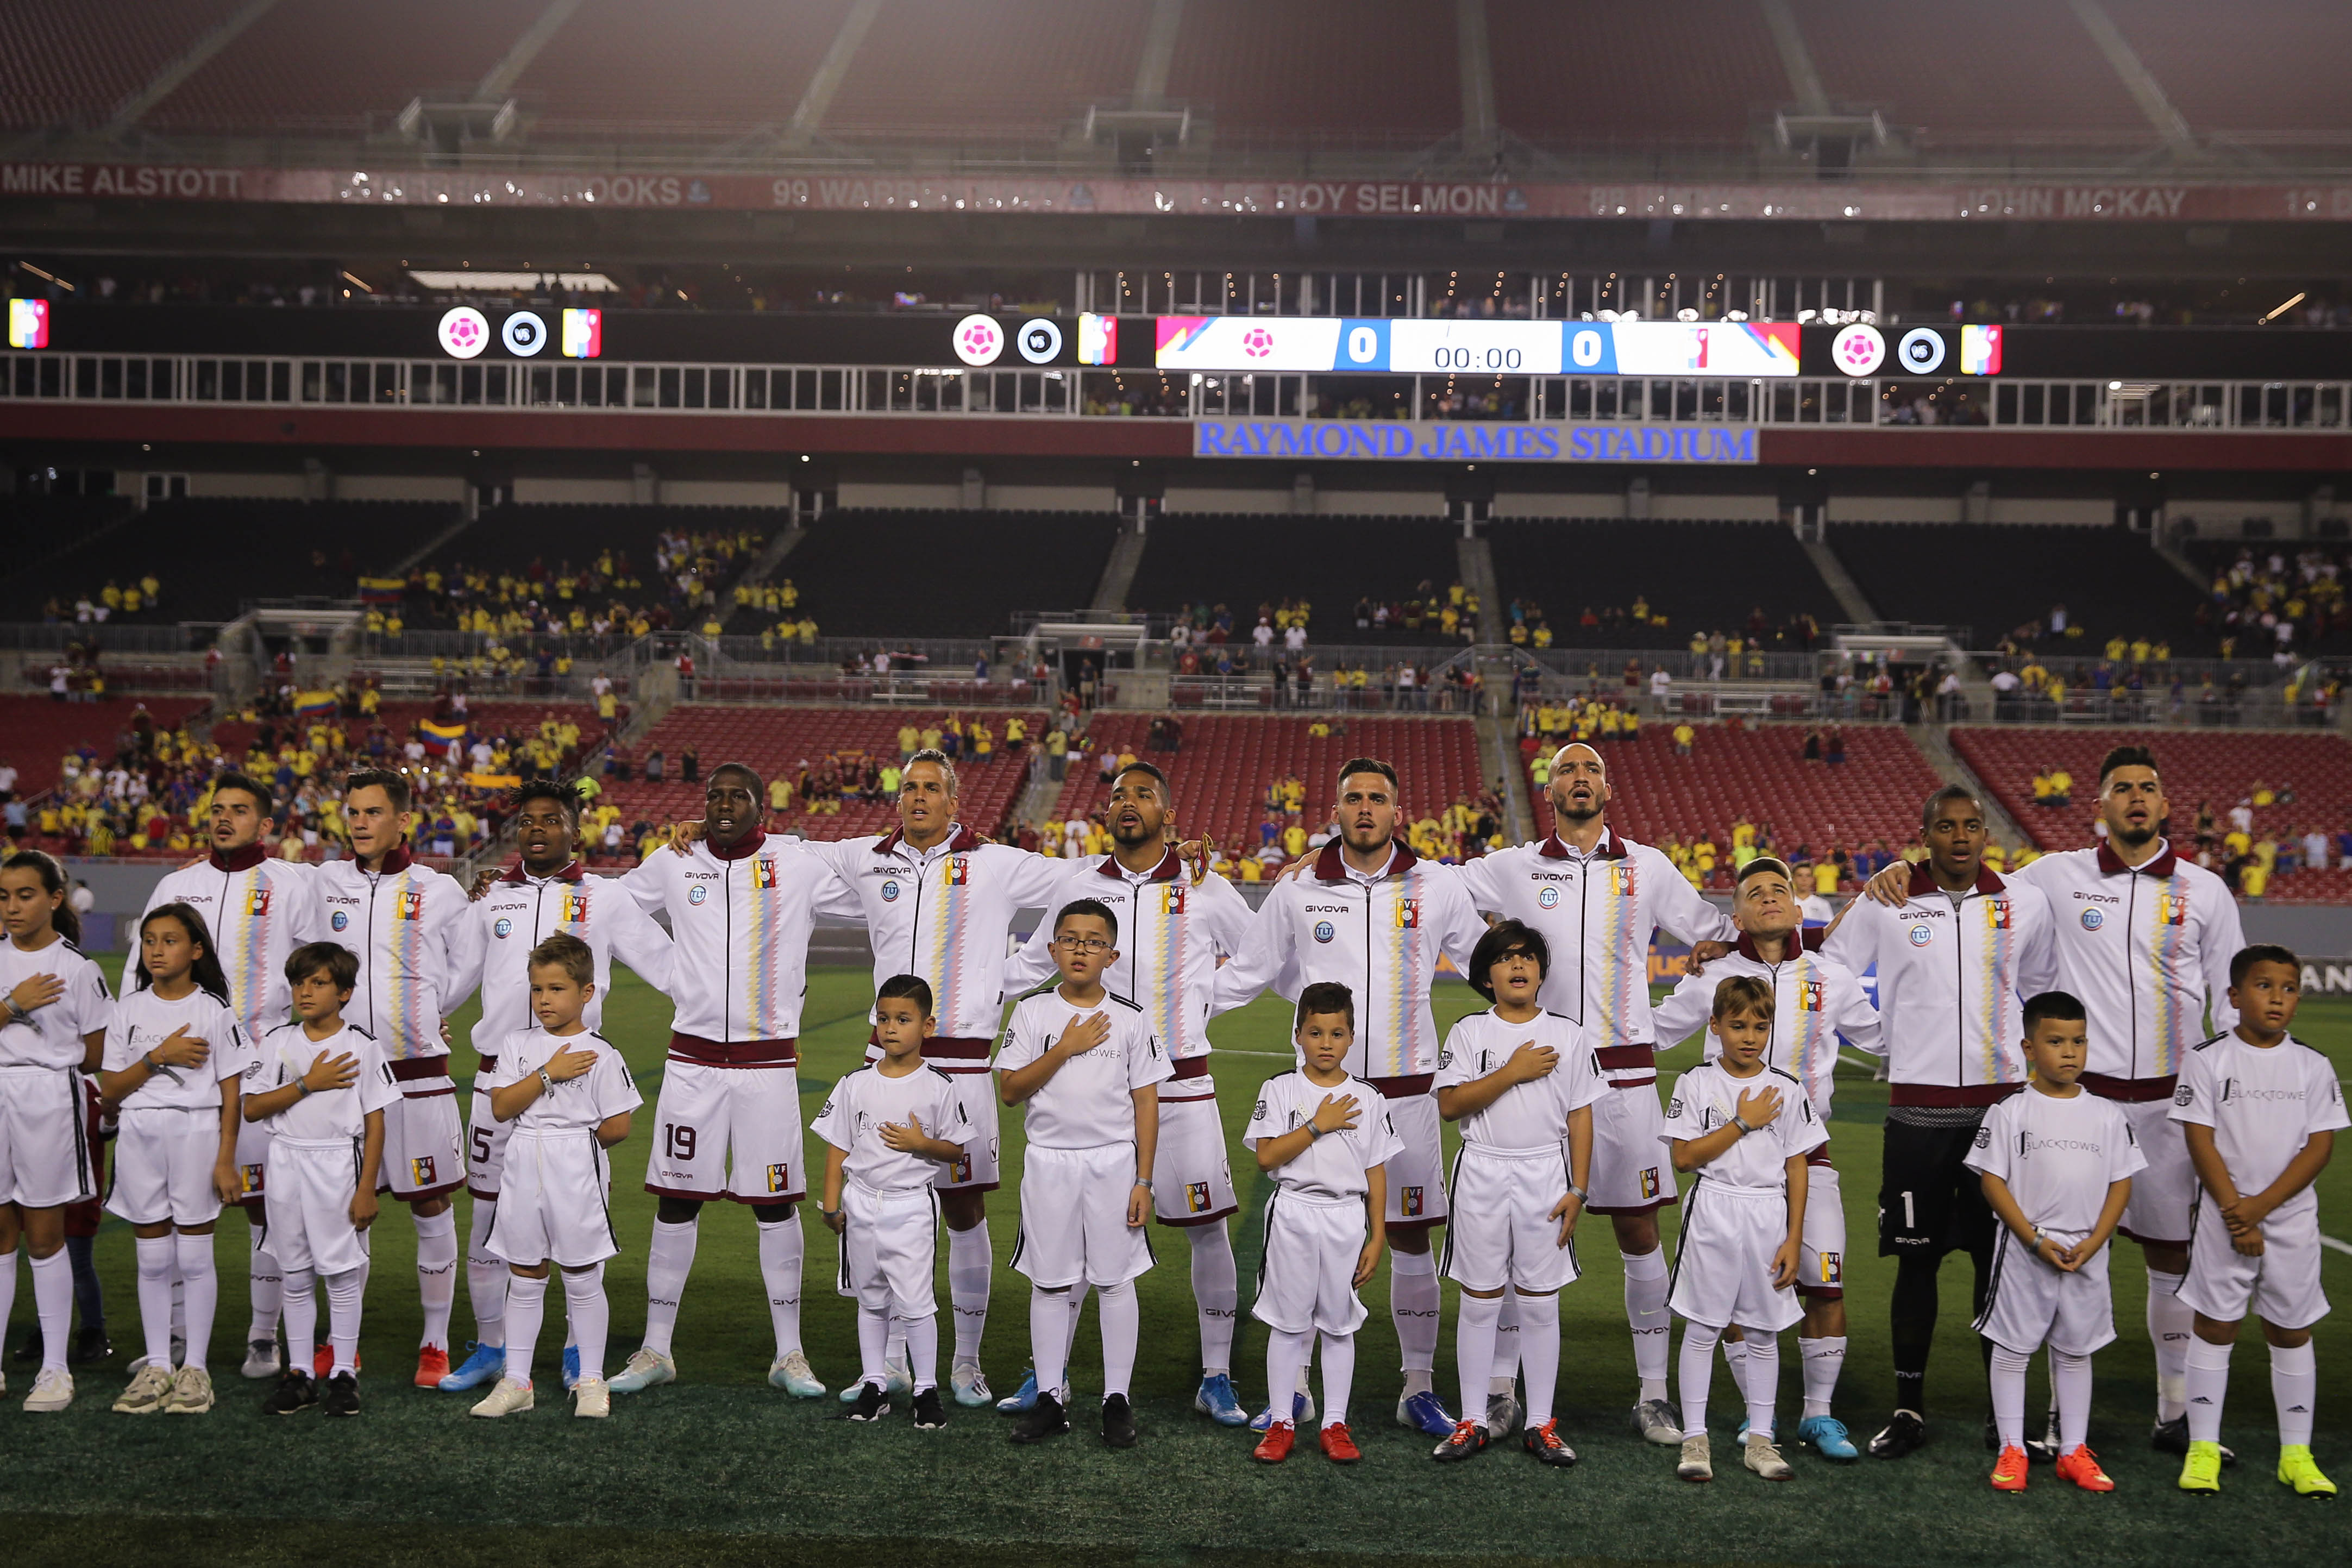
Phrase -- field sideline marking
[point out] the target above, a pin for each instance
(2334, 1245)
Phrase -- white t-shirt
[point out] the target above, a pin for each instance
(1087, 1102)
(1333, 1167)
(1532, 1115)
(2263, 1103)
(2058, 1156)
(1706, 1098)
(286, 1053)
(53, 1038)
(575, 1104)
(866, 1101)
(143, 1020)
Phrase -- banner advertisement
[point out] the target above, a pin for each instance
(1444, 441)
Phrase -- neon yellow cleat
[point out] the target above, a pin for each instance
(2202, 1471)
(2296, 1469)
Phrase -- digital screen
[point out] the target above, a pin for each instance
(1418, 347)
(584, 334)
(29, 323)
(1097, 338)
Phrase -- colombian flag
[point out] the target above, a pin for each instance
(320, 704)
(447, 734)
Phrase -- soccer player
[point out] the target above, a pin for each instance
(1746, 1128)
(1324, 1137)
(740, 903)
(1523, 1083)
(1178, 927)
(1816, 1001)
(2260, 1111)
(407, 926)
(2057, 1167)
(568, 1098)
(1598, 898)
(2144, 937)
(1087, 1068)
(1372, 915)
(259, 909)
(547, 891)
(1955, 963)
(54, 1031)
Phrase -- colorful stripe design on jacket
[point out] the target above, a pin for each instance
(1996, 978)
(764, 954)
(1625, 964)
(1407, 983)
(245, 941)
(2175, 984)
(1165, 1005)
(1810, 1038)
(947, 922)
(404, 995)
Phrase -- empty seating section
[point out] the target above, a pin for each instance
(510, 536)
(1995, 577)
(1220, 776)
(1999, 71)
(1702, 576)
(621, 66)
(328, 65)
(949, 70)
(2274, 68)
(947, 573)
(1703, 70)
(63, 64)
(779, 741)
(1875, 794)
(1331, 561)
(1377, 69)
(35, 733)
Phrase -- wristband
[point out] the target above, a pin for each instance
(304, 1085)
(148, 1061)
(1314, 1129)
(1143, 1182)
(15, 1013)
(1579, 1193)
(1742, 1122)
(546, 1084)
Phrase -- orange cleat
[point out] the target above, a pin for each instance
(432, 1366)
(2082, 1467)
(2009, 1470)
(1274, 1447)
(323, 1361)
(1338, 1445)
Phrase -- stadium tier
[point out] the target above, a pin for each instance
(1241, 562)
(1701, 576)
(619, 67)
(1991, 580)
(1381, 70)
(1996, 71)
(2252, 83)
(75, 64)
(957, 69)
(1703, 70)
(39, 732)
(949, 574)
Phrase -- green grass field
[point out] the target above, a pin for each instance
(720, 1469)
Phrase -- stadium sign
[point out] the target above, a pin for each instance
(1446, 441)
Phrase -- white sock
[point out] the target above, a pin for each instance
(1474, 1350)
(873, 1345)
(1216, 1294)
(7, 1286)
(1645, 1313)
(1824, 1359)
(1539, 1349)
(667, 1261)
(486, 1277)
(53, 1302)
(1286, 1358)
(783, 1246)
(1413, 1305)
(592, 1319)
(344, 1294)
(199, 1281)
(526, 1310)
(302, 1304)
(1504, 1374)
(2070, 1377)
(970, 1262)
(154, 1254)
(1735, 1360)
(266, 1287)
(2170, 1322)
(1120, 1316)
(179, 1316)
(1760, 1382)
(436, 1273)
(1697, 1371)
(2294, 1389)
(1339, 1377)
(2208, 1385)
(1049, 1335)
(2006, 1373)
(922, 1337)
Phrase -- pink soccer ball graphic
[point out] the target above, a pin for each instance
(464, 333)
(1257, 343)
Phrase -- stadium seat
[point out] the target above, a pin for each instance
(1990, 578)
(1332, 562)
(35, 733)
(949, 573)
(74, 65)
(1702, 576)
(1342, 70)
(1701, 71)
(965, 69)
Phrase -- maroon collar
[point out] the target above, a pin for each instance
(1166, 871)
(1745, 947)
(395, 859)
(1331, 867)
(1922, 882)
(1611, 847)
(243, 860)
(744, 849)
(573, 873)
(2111, 864)
(962, 841)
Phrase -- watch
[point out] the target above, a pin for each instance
(1143, 1182)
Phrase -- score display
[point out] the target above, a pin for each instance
(1412, 347)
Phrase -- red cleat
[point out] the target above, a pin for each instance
(432, 1366)
(2082, 1467)
(1274, 1447)
(323, 1362)
(1338, 1445)
(2009, 1470)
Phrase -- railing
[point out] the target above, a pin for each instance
(109, 639)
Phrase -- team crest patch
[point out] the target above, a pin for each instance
(764, 873)
(780, 1178)
(341, 919)
(697, 894)
(1650, 1182)
(502, 928)
(260, 904)
(1674, 1108)
(1984, 1137)
(890, 892)
(408, 904)
(1409, 1202)
(250, 1179)
(2172, 908)
(1196, 1197)
(1997, 914)
(1549, 898)
(1325, 931)
(573, 910)
(961, 1169)
(2094, 919)
(1171, 899)
(1408, 914)
(1809, 995)
(1921, 936)
(2184, 1095)
(1259, 1114)
(959, 871)
(422, 1171)
(1833, 1268)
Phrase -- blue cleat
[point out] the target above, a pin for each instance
(486, 1364)
(1826, 1435)
(1216, 1400)
(1426, 1414)
(1302, 1414)
(571, 1366)
(1023, 1398)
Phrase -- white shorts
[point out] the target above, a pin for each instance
(1306, 1273)
(2030, 1304)
(308, 1205)
(2281, 1286)
(163, 1167)
(486, 1143)
(45, 1159)
(1074, 1228)
(976, 1170)
(728, 1132)
(2162, 1196)
(1629, 1157)
(1501, 1231)
(1192, 1178)
(890, 1248)
(1820, 1260)
(1416, 1172)
(556, 1204)
(424, 1146)
(1722, 1260)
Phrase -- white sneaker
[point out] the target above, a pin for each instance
(792, 1374)
(145, 1395)
(591, 1397)
(507, 1398)
(192, 1392)
(262, 1359)
(968, 1384)
(646, 1369)
(53, 1390)
(1762, 1457)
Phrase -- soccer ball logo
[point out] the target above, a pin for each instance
(979, 340)
(1859, 349)
(1257, 343)
(465, 333)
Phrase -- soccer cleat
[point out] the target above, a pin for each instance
(1758, 1452)
(571, 1367)
(506, 1398)
(1654, 1421)
(2081, 1467)
(1697, 1463)
(53, 1390)
(2201, 1470)
(1302, 1413)
(965, 1381)
(1503, 1414)
(899, 1381)
(1042, 1420)
(90, 1345)
(929, 1414)
(192, 1392)
(1023, 1398)
(2009, 1470)
(1905, 1432)
(296, 1391)
(1466, 1438)
(2046, 1449)
(1826, 1435)
(1339, 1444)
(1214, 1399)
(323, 1360)
(591, 1397)
(145, 1395)
(432, 1366)
(2296, 1469)
(646, 1369)
(1426, 1414)
(2172, 1437)
(791, 1373)
(1117, 1422)
(871, 1404)
(1543, 1441)
(262, 1359)
(1274, 1447)
(342, 1395)
(483, 1364)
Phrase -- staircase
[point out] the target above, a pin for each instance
(1934, 743)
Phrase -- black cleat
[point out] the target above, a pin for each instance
(929, 1414)
(1042, 1420)
(871, 1403)
(90, 1345)
(2172, 1437)
(1904, 1433)
(1118, 1422)
(28, 1349)
(1467, 1437)
(342, 1397)
(296, 1391)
